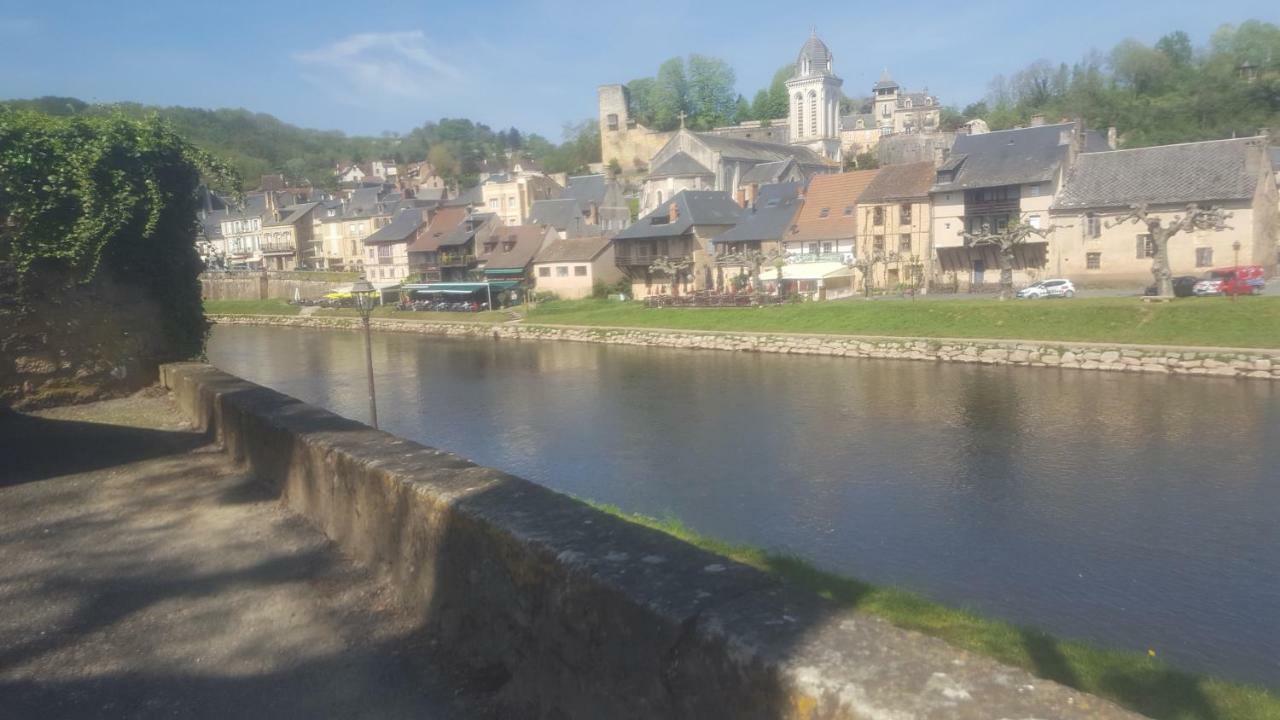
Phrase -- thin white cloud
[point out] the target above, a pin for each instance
(378, 65)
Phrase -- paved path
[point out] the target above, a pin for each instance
(142, 576)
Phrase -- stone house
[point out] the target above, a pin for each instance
(564, 215)
(510, 196)
(1235, 175)
(507, 253)
(889, 111)
(571, 267)
(387, 249)
(893, 222)
(681, 227)
(706, 161)
(994, 179)
(764, 223)
(600, 201)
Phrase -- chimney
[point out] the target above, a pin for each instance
(1037, 120)
(1111, 137)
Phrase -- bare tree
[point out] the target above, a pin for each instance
(1006, 244)
(672, 267)
(867, 265)
(1197, 218)
(756, 260)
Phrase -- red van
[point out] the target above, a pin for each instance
(1242, 280)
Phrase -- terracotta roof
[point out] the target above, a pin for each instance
(445, 221)
(900, 182)
(837, 195)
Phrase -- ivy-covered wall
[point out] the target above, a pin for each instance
(98, 269)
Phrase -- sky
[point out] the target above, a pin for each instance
(367, 68)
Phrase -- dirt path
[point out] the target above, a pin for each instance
(143, 576)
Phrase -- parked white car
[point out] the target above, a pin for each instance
(1048, 289)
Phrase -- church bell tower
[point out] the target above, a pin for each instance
(814, 100)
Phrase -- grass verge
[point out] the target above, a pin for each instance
(249, 307)
(1214, 322)
(1139, 682)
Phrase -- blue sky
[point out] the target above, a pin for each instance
(369, 67)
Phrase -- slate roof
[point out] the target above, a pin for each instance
(470, 196)
(819, 56)
(528, 241)
(771, 217)
(900, 182)
(765, 173)
(586, 189)
(582, 249)
(291, 214)
(694, 207)
(444, 221)
(1166, 174)
(885, 82)
(401, 228)
(850, 122)
(679, 165)
(363, 202)
(838, 195)
(1005, 157)
(559, 213)
(740, 149)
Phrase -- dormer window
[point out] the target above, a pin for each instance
(824, 212)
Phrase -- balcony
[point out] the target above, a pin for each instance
(278, 248)
(800, 258)
(991, 207)
(456, 260)
(642, 256)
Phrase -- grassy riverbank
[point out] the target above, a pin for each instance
(1247, 322)
(1138, 681)
(249, 307)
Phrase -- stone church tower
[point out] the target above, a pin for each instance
(814, 92)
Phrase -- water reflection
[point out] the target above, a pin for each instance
(1135, 511)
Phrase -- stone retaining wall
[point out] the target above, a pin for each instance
(1223, 362)
(567, 612)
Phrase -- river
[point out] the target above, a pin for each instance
(1135, 511)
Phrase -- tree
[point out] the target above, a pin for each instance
(670, 95)
(1196, 218)
(772, 103)
(445, 162)
(1006, 244)
(742, 111)
(867, 266)
(674, 268)
(1177, 47)
(755, 260)
(711, 99)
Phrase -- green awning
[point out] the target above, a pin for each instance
(504, 271)
(461, 287)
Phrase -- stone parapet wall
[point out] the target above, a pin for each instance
(566, 612)
(1218, 362)
(264, 286)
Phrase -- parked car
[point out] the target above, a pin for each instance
(1048, 289)
(1242, 280)
(1183, 286)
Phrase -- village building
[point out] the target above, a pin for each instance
(894, 224)
(422, 180)
(600, 201)
(565, 216)
(704, 161)
(680, 228)
(760, 229)
(826, 227)
(387, 250)
(507, 253)
(992, 180)
(571, 267)
(1089, 246)
(510, 196)
(260, 234)
(889, 110)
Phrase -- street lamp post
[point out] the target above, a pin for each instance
(362, 290)
(1235, 247)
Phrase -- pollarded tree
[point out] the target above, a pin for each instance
(867, 266)
(673, 268)
(756, 260)
(1006, 244)
(1197, 218)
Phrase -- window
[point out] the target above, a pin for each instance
(824, 212)
(1093, 261)
(1204, 257)
(1146, 248)
(828, 247)
(848, 210)
(813, 248)
(799, 115)
(659, 197)
(562, 271)
(493, 202)
(580, 270)
(1035, 191)
(1034, 221)
(877, 243)
(904, 242)
(544, 272)
(613, 121)
(1093, 226)
(904, 213)
(877, 216)
(813, 113)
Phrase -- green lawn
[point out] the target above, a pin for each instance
(387, 312)
(249, 307)
(1247, 322)
(1138, 681)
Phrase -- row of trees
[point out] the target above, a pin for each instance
(255, 144)
(1163, 93)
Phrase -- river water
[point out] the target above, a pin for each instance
(1133, 511)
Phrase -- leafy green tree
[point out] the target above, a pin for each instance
(742, 110)
(772, 103)
(670, 95)
(711, 99)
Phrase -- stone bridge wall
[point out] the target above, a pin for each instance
(567, 612)
(1222, 362)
